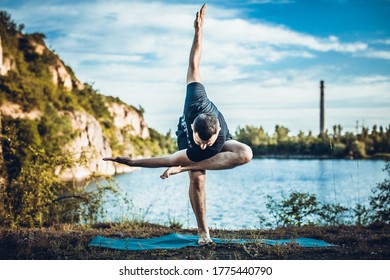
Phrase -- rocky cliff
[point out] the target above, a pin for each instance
(92, 140)
(6, 62)
(91, 144)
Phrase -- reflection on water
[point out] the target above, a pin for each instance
(236, 196)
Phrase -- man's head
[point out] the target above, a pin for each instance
(205, 130)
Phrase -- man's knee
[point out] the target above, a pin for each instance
(245, 154)
(197, 179)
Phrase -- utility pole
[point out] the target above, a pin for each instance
(322, 108)
(357, 127)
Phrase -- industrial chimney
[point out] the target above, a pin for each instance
(322, 109)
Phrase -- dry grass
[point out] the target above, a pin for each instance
(71, 242)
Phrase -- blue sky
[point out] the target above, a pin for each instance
(262, 59)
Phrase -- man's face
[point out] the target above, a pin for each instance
(203, 144)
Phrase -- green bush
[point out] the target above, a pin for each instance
(380, 201)
(55, 130)
(16, 154)
(27, 192)
(300, 209)
(76, 205)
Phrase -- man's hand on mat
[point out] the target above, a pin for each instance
(124, 160)
(171, 171)
(200, 18)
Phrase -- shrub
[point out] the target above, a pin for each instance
(380, 201)
(298, 209)
(301, 209)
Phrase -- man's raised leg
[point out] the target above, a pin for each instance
(193, 73)
(198, 202)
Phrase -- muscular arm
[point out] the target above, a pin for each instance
(223, 160)
(176, 159)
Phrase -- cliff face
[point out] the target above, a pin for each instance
(61, 76)
(6, 62)
(91, 141)
(128, 119)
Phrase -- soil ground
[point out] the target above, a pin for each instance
(71, 242)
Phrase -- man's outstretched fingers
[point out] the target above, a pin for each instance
(202, 11)
(200, 17)
(108, 159)
(124, 160)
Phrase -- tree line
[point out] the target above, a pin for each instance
(374, 143)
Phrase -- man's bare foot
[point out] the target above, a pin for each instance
(200, 18)
(204, 239)
(123, 160)
(171, 171)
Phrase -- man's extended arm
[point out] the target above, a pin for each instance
(233, 154)
(176, 159)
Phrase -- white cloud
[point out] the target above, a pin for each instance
(373, 79)
(251, 34)
(383, 41)
(379, 54)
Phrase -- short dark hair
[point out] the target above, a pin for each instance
(206, 125)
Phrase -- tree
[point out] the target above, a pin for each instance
(7, 25)
(281, 133)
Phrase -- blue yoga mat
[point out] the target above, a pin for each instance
(177, 241)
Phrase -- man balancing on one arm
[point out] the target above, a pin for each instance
(203, 138)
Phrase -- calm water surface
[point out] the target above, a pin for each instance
(236, 197)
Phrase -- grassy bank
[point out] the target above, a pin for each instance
(71, 242)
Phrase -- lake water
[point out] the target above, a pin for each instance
(236, 197)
